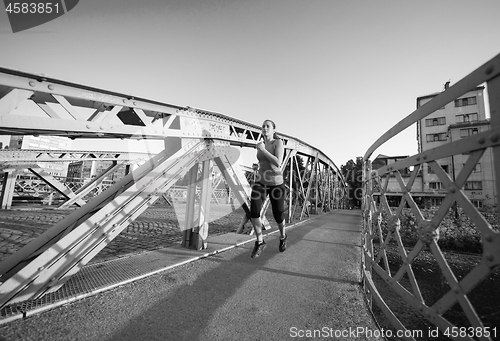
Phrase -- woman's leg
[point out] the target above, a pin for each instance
(282, 229)
(257, 227)
(257, 199)
(258, 195)
(277, 197)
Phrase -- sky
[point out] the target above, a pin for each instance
(336, 74)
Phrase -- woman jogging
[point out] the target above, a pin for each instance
(269, 181)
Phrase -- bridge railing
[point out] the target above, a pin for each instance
(389, 264)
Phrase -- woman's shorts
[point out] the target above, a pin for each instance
(276, 196)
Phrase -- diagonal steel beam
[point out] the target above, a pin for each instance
(56, 185)
(85, 189)
(311, 178)
(31, 277)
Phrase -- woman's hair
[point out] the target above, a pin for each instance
(276, 136)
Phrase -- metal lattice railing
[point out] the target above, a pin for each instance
(383, 224)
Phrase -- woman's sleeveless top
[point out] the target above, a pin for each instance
(269, 174)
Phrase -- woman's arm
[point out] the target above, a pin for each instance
(275, 158)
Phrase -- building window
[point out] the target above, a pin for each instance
(468, 132)
(462, 102)
(431, 171)
(466, 118)
(436, 137)
(435, 185)
(438, 121)
(434, 202)
(473, 185)
(477, 203)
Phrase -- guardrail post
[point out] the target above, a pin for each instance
(494, 98)
(290, 190)
(199, 233)
(9, 181)
(190, 207)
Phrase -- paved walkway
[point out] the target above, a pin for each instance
(311, 291)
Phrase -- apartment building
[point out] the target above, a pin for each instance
(88, 169)
(459, 119)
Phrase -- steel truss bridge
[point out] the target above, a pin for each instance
(194, 141)
(382, 224)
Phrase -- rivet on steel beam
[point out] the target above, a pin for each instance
(51, 87)
(31, 83)
(418, 158)
(489, 257)
(494, 137)
(424, 157)
(456, 290)
(124, 100)
(453, 189)
(490, 69)
(489, 238)
(481, 140)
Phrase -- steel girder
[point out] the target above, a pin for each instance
(36, 155)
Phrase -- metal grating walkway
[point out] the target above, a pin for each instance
(149, 245)
(98, 277)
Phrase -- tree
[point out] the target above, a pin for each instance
(353, 174)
